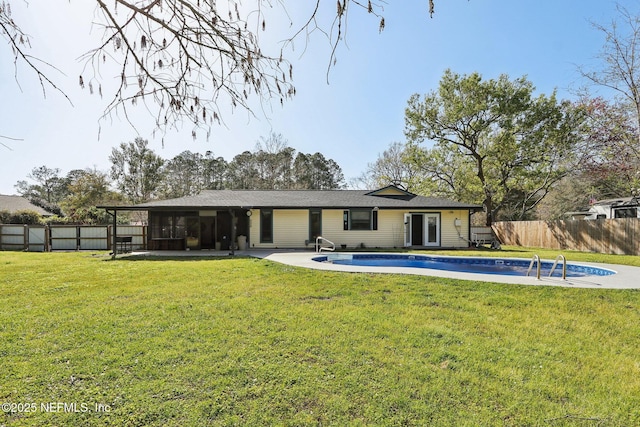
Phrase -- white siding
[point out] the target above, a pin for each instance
(452, 236)
(291, 229)
(388, 235)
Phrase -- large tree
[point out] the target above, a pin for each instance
(610, 160)
(183, 58)
(316, 172)
(607, 163)
(214, 170)
(274, 158)
(277, 166)
(242, 173)
(393, 167)
(49, 188)
(88, 188)
(620, 56)
(182, 176)
(493, 141)
(136, 170)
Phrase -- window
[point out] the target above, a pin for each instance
(360, 219)
(161, 225)
(169, 225)
(626, 213)
(266, 225)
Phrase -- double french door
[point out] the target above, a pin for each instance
(422, 229)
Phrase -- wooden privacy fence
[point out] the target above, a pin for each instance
(611, 236)
(38, 238)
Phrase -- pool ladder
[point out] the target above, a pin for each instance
(320, 248)
(536, 259)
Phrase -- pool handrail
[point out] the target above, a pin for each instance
(564, 266)
(320, 248)
(534, 259)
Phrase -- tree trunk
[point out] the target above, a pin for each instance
(488, 207)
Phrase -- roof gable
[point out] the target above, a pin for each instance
(391, 191)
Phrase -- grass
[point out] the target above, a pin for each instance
(197, 342)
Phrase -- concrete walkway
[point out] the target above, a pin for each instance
(626, 277)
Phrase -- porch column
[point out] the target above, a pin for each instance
(233, 231)
(114, 244)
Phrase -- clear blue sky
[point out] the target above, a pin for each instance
(351, 120)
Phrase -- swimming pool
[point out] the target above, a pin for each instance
(482, 265)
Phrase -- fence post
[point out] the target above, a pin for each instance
(109, 232)
(25, 237)
(45, 238)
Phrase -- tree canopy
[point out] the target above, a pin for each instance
(140, 175)
(493, 142)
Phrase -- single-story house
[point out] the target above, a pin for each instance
(268, 219)
(622, 207)
(13, 204)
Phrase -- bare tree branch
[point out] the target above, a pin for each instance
(621, 57)
(17, 39)
(185, 60)
(9, 138)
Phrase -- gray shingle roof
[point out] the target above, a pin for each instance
(17, 203)
(294, 199)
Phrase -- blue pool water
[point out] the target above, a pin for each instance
(505, 266)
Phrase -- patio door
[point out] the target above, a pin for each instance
(432, 229)
(422, 229)
(407, 230)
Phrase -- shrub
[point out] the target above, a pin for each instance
(24, 217)
(58, 220)
(4, 217)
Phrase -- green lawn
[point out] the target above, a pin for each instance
(196, 342)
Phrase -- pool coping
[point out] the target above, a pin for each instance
(626, 277)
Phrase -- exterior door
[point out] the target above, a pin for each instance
(223, 230)
(417, 230)
(422, 229)
(432, 230)
(315, 224)
(208, 232)
(193, 235)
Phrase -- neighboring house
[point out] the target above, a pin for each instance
(388, 217)
(13, 204)
(624, 207)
